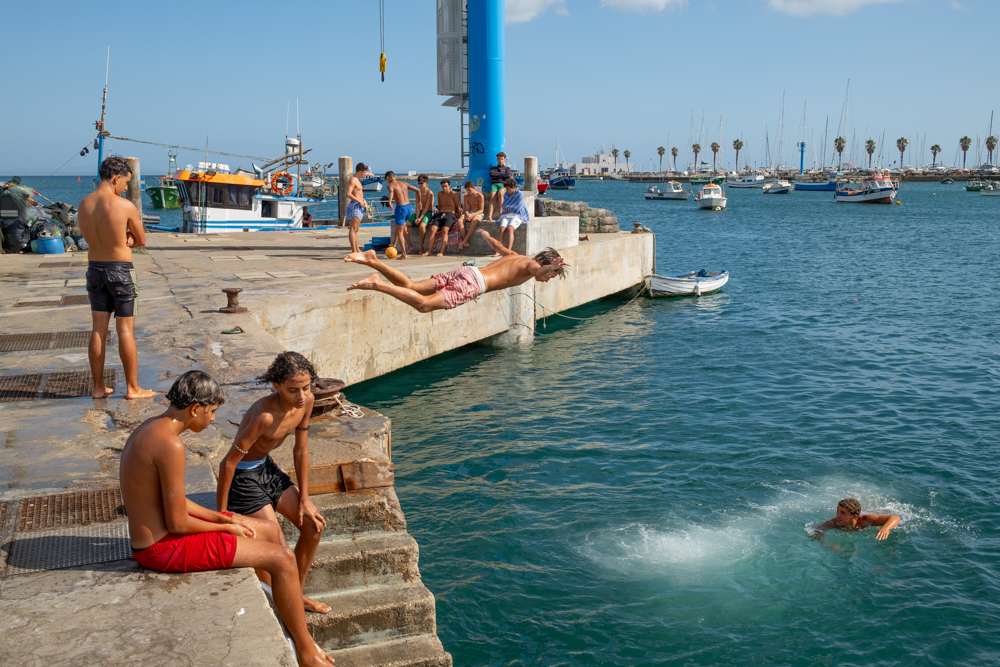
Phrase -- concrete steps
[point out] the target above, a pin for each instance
(373, 616)
(417, 651)
(365, 511)
(363, 561)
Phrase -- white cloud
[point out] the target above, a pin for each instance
(522, 11)
(810, 7)
(642, 5)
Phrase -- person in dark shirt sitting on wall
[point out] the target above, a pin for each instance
(498, 174)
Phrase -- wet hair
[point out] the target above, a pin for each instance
(390, 174)
(286, 366)
(445, 180)
(851, 505)
(422, 178)
(114, 165)
(361, 167)
(547, 257)
(510, 183)
(501, 154)
(470, 184)
(195, 387)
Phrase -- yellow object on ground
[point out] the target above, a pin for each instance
(390, 252)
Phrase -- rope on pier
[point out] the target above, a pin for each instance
(568, 317)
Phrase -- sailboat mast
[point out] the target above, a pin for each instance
(101, 132)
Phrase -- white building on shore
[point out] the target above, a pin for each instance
(601, 163)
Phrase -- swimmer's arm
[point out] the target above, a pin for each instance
(817, 535)
(887, 521)
(182, 516)
(245, 439)
(135, 226)
(300, 454)
(539, 271)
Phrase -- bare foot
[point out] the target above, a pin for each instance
(463, 245)
(585, 238)
(312, 656)
(441, 254)
(425, 254)
(102, 393)
(361, 257)
(368, 283)
(139, 392)
(315, 607)
(496, 255)
(401, 257)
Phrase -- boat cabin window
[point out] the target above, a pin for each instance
(218, 196)
(194, 191)
(268, 209)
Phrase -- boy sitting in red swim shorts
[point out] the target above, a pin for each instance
(169, 533)
(461, 285)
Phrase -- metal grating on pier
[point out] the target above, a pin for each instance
(70, 384)
(43, 341)
(64, 510)
(68, 547)
(72, 300)
(75, 300)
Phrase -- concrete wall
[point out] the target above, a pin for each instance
(360, 335)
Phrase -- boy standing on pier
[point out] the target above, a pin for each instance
(356, 205)
(112, 226)
(425, 209)
(498, 175)
(449, 208)
(399, 193)
(252, 484)
(473, 213)
(169, 533)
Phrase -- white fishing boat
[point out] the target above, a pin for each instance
(372, 184)
(672, 190)
(992, 189)
(748, 179)
(711, 197)
(778, 187)
(877, 189)
(695, 283)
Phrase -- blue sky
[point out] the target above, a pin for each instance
(582, 70)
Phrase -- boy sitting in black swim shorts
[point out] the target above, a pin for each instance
(251, 483)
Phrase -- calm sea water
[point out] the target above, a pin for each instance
(637, 488)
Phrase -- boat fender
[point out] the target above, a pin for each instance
(697, 289)
(282, 177)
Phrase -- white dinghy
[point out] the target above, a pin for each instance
(696, 283)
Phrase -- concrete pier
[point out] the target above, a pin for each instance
(106, 609)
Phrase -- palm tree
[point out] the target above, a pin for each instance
(839, 144)
(935, 149)
(661, 151)
(737, 146)
(991, 144)
(965, 142)
(627, 154)
(674, 153)
(901, 144)
(614, 151)
(715, 151)
(870, 148)
(697, 149)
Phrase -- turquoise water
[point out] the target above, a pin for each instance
(636, 489)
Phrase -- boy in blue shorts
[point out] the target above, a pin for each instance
(356, 205)
(399, 193)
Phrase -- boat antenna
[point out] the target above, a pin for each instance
(297, 132)
(288, 106)
(101, 132)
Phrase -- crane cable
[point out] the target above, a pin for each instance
(381, 37)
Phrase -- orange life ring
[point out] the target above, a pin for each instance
(282, 176)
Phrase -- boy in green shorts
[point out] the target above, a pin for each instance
(498, 174)
(425, 210)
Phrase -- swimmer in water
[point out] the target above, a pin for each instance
(849, 517)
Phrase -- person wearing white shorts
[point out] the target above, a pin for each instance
(514, 212)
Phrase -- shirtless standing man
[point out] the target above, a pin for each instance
(169, 533)
(399, 193)
(425, 210)
(356, 205)
(111, 226)
(474, 202)
(461, 285)
(449, 208)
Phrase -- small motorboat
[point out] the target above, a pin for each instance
(696, 283)
(778, 187)
(671, 190)
(992, 189)
(975, 186)
(711, 197)
(877, 189)
(947, 181)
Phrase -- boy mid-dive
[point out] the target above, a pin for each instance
(169, 533)
(252, 484)
(461, 285)
(849, 517)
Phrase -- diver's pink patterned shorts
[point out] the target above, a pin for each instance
(460, 285)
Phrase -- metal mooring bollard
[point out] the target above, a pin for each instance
(232, 293)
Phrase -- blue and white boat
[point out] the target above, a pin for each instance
(877, 189)
(827, 184)
(372, 184)
(560, 179)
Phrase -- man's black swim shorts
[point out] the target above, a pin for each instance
(112, 288)
(252, 489)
